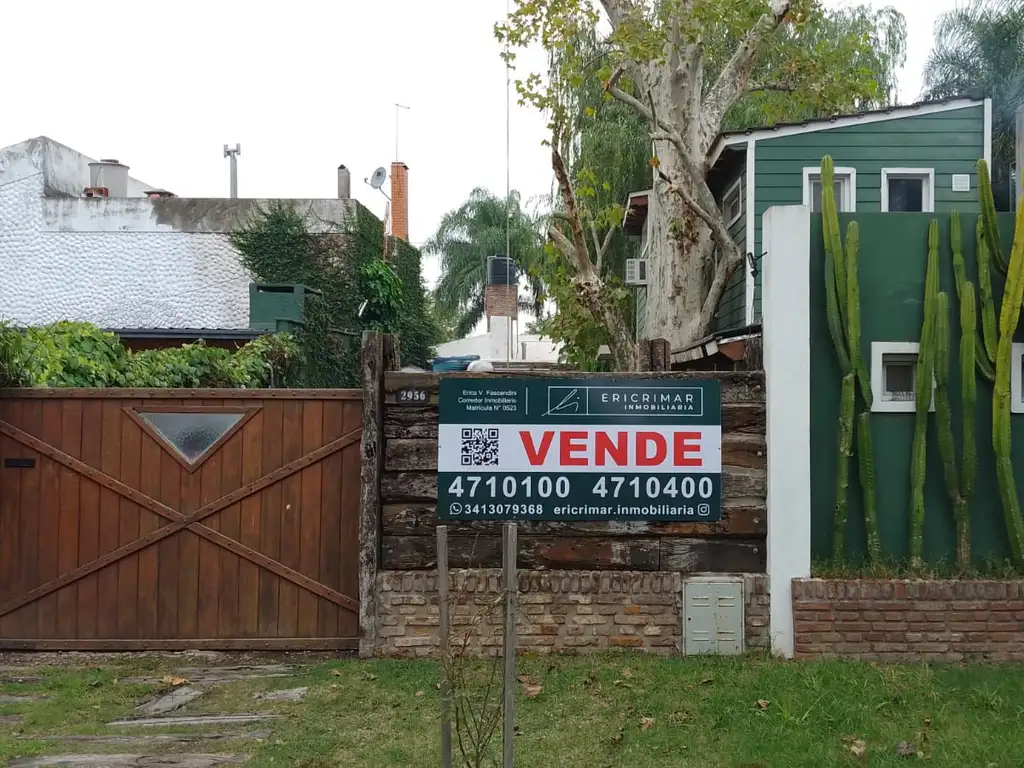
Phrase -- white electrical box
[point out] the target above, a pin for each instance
(961, 182)
(636, 272)
(713, 619)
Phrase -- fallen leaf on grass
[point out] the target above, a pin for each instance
(173, 680)
(762, 704)
(617, 738)
(420, 693)
(337, 673)
(369, 676)
(531, 691)
(707, 681)
(679, 717)
(528, 680)
(334, 686)
(627, 672)
(646, 723)
(856, 747)
(622, 684)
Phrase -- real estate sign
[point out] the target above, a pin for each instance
(580, 449)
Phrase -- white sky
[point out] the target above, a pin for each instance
(303, 86)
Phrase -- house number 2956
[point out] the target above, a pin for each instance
(412, 397)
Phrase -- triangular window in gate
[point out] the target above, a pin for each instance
(191, 435)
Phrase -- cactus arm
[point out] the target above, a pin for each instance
(846, 403)
(830, 226)
(959, 264)
(988, 215)
(944, 429)
(835, 327)
(1008, 318)
(988, 306)
(853, 312)
(866, 462)
(923, 378)
(969, 397)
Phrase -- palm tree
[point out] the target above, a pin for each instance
(464, 240)
(981, 46)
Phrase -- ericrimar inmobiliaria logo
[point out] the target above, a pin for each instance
(624, 401)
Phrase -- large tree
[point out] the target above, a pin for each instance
(686, 67)
(981, 45)
(464, 240)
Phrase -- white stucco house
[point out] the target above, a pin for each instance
(80, 239)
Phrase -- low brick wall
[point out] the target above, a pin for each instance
(900, 621)
(558, 611)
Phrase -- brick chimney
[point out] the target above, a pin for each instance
(400, 200)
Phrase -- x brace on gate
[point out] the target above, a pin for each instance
(179, 521)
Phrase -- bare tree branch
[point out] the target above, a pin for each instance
(732, 82)
(775, 87)
(562, 243)
(616, 12)
(604, 248)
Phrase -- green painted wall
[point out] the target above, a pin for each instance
(950, 142)
(893, 256)
(732, 309)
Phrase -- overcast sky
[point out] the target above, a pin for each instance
(303, 86)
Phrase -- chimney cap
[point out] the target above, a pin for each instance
(342, 167)
(110, 161)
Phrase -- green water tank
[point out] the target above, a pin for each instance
(278, 306)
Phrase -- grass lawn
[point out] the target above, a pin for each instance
(610, 710)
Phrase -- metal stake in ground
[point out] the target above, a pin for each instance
(511, 588)
(445, 632)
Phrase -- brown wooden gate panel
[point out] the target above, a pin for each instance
(179, 518)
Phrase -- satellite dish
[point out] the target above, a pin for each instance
(378, 178)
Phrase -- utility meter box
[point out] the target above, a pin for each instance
(713, 615)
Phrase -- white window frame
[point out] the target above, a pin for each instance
(737, 189)
(1016, 388)
(926, 175)
(844, 174)
(879, 350)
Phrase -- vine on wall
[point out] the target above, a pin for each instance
(346, 267)
(67, 354)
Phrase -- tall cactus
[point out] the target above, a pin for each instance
(988, 213)
(1009, 316)
(923, 377)
(842, 304)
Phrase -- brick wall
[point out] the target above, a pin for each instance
(501, 301)
(558, 611)
(895, 620)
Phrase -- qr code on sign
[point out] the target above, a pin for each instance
(479, 447)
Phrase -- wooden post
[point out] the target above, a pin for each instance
(644, 355)
(445, 632)
(510, 551)
(661, 355)
(372, 447)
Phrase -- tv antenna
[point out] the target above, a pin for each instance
(398, 107)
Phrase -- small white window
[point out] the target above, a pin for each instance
(732, 203)
(894, 377)
(1016, 375)
(908, 190)
(844, 184)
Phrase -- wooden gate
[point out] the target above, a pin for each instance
(161, 519)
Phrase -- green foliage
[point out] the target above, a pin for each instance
(346, 267)
(68, 354)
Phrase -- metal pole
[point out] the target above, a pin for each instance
(511, 587)
(232, 155)
(397, 107)
(445, 631)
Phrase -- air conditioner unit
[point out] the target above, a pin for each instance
(636, 271)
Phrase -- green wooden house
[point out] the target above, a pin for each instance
(916, 158)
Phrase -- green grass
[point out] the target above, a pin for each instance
(591, 712)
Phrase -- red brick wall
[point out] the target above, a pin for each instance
(400, 200)
(901, 620)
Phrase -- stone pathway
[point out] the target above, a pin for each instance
(161, 710)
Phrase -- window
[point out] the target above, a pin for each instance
(732, 203)
(844, 186)
(908, 190)
(894, 376)
(1016, 376)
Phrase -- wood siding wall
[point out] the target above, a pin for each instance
(735, 544)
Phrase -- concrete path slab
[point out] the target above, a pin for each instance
(151, 739)
(128, 761)
(170, 701)
(172, 720)
(290, 694)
